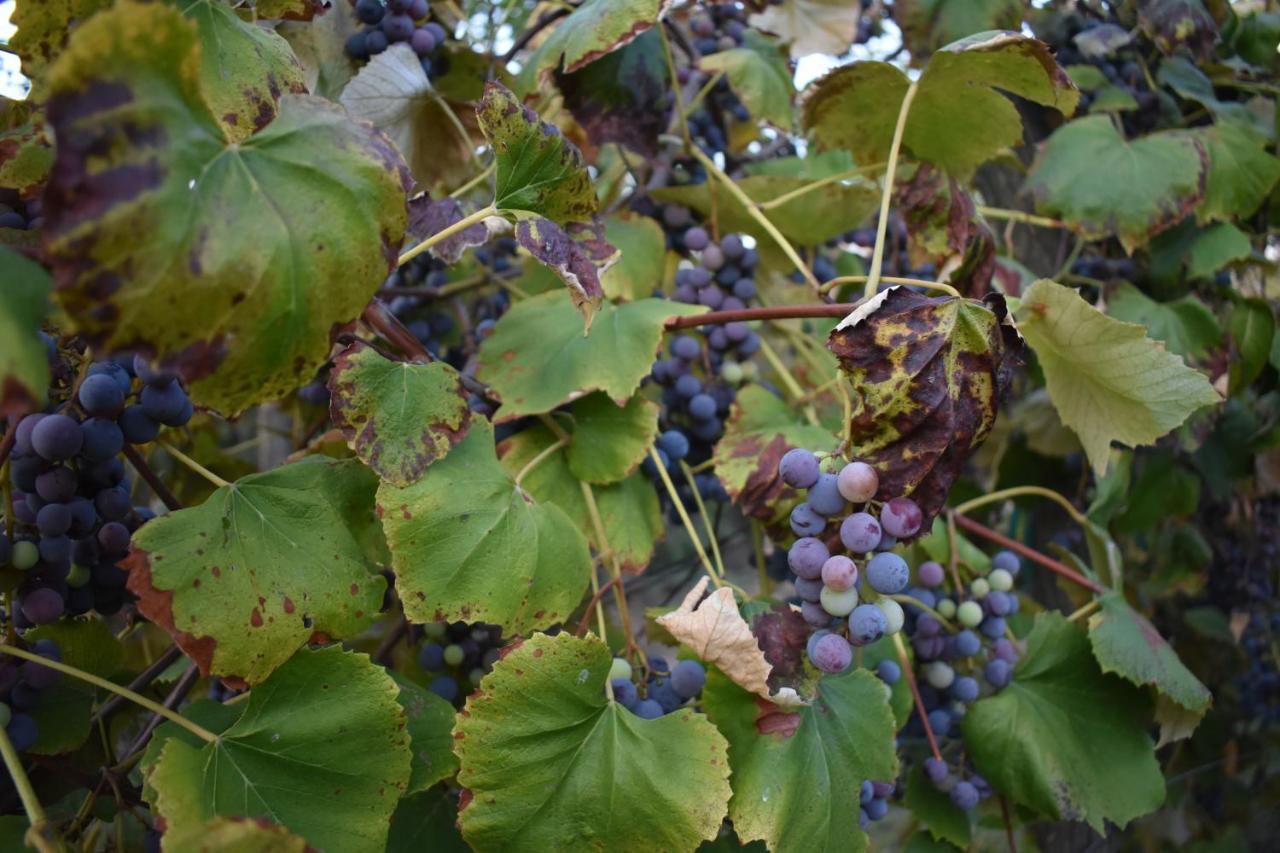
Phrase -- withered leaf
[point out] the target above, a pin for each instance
(577, 254)
(429, 216)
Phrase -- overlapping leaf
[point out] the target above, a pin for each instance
(593, 30)
(43, 28)
(759, 76)
(958, 120)
(1186, 325)
(1063, 738)
(398, 417)
(929, 24)
(468, 544)
(320, 748)
(26, 155)
(944, 228)
(266, 563)
(576, 254)
(429, 216)
(63, 713)
(546, 760)
(926, 376)
(429, 722)
(811, 26)
(1241, 172)
(642, 251)
(241, 278)
(1108, 380)
(624, 97)
(24, 364)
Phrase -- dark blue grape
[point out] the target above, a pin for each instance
(100, 394)
(102, 439)
(138, 427)
(57, 437)
(53, 519)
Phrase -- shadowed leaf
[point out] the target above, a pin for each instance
(429, 216)
(577, 254)
(24, 361)
(624, 97)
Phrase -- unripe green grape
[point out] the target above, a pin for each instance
(25, 555)
(620, 668)
(78, 576)
(980, 588)
(1000, 580)
(939, 675)
(946, 608)
(749, 371)
(434, 630)
(453, 654)
(839, 603)
(970, 614)
(893, 615)
(731, 372)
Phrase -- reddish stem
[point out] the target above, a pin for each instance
(1030, 553)
(379, 318)
(595, 599)
(144, 471)
(1008, 824)
(910, 675)
(10, 436)
(771, 312)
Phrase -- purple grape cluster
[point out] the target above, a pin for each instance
(18, 213)
(458, 655)
(873, 801)
(22, 683)
(667, 688)
(716, 28)
(399, 21)
(72, 512)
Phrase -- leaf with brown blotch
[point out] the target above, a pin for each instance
(577, 254)
(926, 376)
(429, 216)
(944, 228)
(718, 634)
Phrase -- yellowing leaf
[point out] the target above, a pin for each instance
(812, 26)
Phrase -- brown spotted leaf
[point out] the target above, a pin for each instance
(43, 28)
(1175, 24)
(254, 251)
(291, 10)
(26, 154)
(577, 254)
(717, 633)
(593, 30)
(246, 578)
(398, 417)
(926, 375)
(944, 229)
(429, 216)
(624, 97)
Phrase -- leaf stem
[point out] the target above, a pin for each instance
(1030, 553)
(1084, 611)
(615, 567)
(684, 516)
(910, 675)
(1019, 216)
(788, 381)
(461, 225)
(890, 279)
(762, 566)
(1022, 491)
(462, 190)
(30, 802)
(706, 518)
(140, 465)
(953, 555)
(903, 598)
(193, 464)
(877, 254)
(856, 171)
(675, 87)
(457, 125)
(547, 451)
(137, 698)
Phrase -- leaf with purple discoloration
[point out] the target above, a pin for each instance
(429, 216)
(577, 254)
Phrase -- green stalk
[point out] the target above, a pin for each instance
(461, 225)
(877, 255)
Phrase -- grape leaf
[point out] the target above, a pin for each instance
(266, 563)
(244, 68)
(958, 120)
(1064, 739)
(624, 97)
(1076, 172)
(540, 173)
(320, 749)
(468, 544)
(243, 835)
(1126, 644)
(538, 357)
(320, 47)
(239, 282)
(811, 26)
(758, 75)
(398, 417)
(42, 32)
(427, 815)
(642, 251)
(1185, 325)
(935, 810)
(944, 228)
(610, 441)
(1252, 326)
(429, 216)
(550, 775)
(927, 25)
(796, 775)
(1108, 380)
(576, 254)
(24, 362)
(1175, 24)
(429, 720)
(926, 375)
(1241, 172)
(593, 30)
(392, 93)
(26, 155)
(760, 429)
(629, 509)
(290, 10)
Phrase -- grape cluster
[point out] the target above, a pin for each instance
(1121, 67)
(21, 685)
(716, 28)
(459, 655)
(667, 688)
(18, 214)
(873, 801)
(399, 21)
(1259, 686)
(73, 516)
(671, 169)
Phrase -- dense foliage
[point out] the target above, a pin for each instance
(543, 426)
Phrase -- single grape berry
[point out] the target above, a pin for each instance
(57, 437)
(888, 671)
(1008, 561)
(866, 624)
(799, 468)
(807, 556)
(624, 692)
(858, 482)
(831, 653)
(687, 678)
(901, 517)
(860, 532)
(967, 644)
(838, 603)
(997, 673)
(806, 522)
(370, 11)
(888, 573)
(99, 394)
(648, 709)
(964, 796)
(839, 573)
(894, 616)
(824, 496)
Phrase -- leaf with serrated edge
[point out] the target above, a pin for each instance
(240, 834)
(1241, 172)
(24, 362)
(577, 254)
(758, 75)
(594, 29)
(547, 760)
(266, 563)
(1186, 325)
(240, 281)
(958, 120)
(796, 773)
(610, 441)
(42, 33)
(1126, 644)
(467, 544)
(398, 417)
(538, 357)
(320, 749)
(1063, 738)
(718, 634)
(1107, 379)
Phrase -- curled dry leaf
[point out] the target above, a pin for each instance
(716, 631)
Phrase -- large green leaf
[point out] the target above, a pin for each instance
(468, 544)
(429, 720)
(958, 120)
(1129, 646)
(1108, 380)
(1185, 325)
(796, 775)
(629, 511)
(540, 173)
(266, 563)
(244, 68)
(594, 29)
(24, 363)
(758, 74)
(1063, 738)
(610, 441)
(926, 379)
(398, 417)
(538, 357)
(643, 253)
(320, 749)
(550, 763)
(254, 249)
(1252, 326)
(1241, 172)
(1077, 171)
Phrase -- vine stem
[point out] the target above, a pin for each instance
(706, 519)
(953, 555)
(10, 437)
(1022, 491)
(193, 464)
(30, 802)
(444, 234)
(675, 88)
(542, 456)
(457, 125)
(137, 698)
(1008, 824)
(761, 220)
(1085, 611)
(890, 279)
(1019, 216)
(910, 675)
(140, 465)
(488, 170)
(903, 598)
(591, 605)
(1030, 553)
(148, 675)
(789, 381)
(882, 226)
(615, 568)
(769, 312)
(684, 516)
(779, 201)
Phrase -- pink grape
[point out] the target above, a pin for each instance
(860, 532)
(930, 573)
(858, 482)
(901, 517)
(840, 573)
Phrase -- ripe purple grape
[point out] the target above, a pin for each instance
(901, 517)
(936, 770)
(888, 573)
(422, 42)
(1008, 561)
(102, 439)
(806, 522)
(696, 239)
(824, 496)
(648, 709)
(799, 468)
(397, 28)
(814, 614)
(964, 796)
(57, 437)
(967, 644)
(42, 606)
(100, 394)
(858, 482)
(807, 556)
(998, 673)
(964, 689)
(138, 427)
(687, 678)
(931, 573)
(839, 573)
(860, 532)
(866, 624)
(831, 653)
